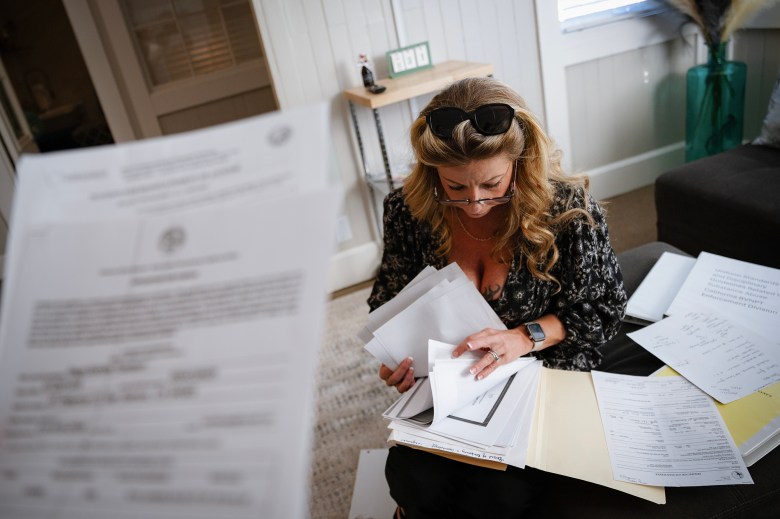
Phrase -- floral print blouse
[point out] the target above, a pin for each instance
(590, 304)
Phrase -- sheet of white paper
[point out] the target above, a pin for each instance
(748, 294)
(665, 431)
(371, 494)
(416, 400)
(723, 359)
(377, 349)
(488, 418)
(454, 387)
(257, 157)
(449, 312)
(395, 337)
(483, 412)
(657, 290)
(424, 273)
(164, 365)
(239, 162)
(524, 413)
(426, 280)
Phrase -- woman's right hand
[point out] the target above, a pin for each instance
(402, 378)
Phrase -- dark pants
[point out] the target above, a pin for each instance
(429, 486)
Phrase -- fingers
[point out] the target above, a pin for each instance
(478, 341)
(486, 365)
(407, 382)
(500, 347)
(461, 348)
(402, 377)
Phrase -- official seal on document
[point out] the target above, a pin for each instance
(172, 239)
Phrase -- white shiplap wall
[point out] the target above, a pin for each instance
(627, 104)
(760, 50)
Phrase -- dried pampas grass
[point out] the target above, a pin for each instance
(718, 19)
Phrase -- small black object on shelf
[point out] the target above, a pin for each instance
(367, 74)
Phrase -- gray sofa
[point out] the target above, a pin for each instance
(727, 204)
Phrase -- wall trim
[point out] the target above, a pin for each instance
(641, 170)
(98, 64)
(352, 266)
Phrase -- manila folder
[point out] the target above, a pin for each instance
(567, 436)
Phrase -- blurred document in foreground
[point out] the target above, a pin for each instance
(161, 322)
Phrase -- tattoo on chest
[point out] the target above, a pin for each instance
(491, 292)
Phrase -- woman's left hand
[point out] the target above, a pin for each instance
(507, 345)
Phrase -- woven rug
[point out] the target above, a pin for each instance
(350, 402)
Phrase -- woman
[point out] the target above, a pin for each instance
(488, 193)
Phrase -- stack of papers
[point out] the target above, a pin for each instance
(449, 410)
(722, 336)
(487, 419)
(443, 305)
(633, 434)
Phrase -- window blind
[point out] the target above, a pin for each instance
(180, 39)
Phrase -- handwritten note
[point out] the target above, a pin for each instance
(722, 358)
(665, 431)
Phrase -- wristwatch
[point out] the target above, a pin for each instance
(536, 333)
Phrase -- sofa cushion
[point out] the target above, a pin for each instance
(770, 131)
(727, 204)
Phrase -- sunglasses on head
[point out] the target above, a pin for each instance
(490, 119)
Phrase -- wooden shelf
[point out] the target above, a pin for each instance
(417, 83)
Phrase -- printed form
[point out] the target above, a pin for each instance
(665, 431)
(159, 335)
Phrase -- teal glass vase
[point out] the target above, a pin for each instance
(715, 104)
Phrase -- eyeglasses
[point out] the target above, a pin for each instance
(498, 200)
(490, 119)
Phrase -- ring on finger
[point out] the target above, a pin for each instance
(495, 355)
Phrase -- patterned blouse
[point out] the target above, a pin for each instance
(591, 301)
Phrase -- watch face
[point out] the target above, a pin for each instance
(536, 331)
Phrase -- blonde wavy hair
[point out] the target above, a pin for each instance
(529, 224)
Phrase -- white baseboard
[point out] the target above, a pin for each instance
(353, 266)
(632, 173)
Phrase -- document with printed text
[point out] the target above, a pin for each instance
(665, 431)
(157, 353)
(747, 293)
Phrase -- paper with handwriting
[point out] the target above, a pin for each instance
(724, 359)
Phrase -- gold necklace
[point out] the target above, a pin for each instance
(457, 215)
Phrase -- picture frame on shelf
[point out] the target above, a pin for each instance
(411, 58)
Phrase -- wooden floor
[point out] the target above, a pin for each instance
(631, 218)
